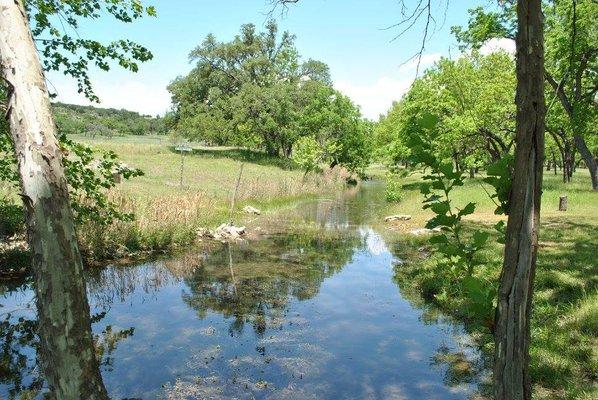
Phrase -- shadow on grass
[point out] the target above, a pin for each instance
(565, 302)
(246, 155)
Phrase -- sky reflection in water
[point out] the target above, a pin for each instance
(294, 316)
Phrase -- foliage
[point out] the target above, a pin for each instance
(91, 121)
(72, 54)
(571, 66)
(60, 51)
(459, 254)
(255, 92)
(88, 179)
(308, 154)
(394, 188)
(11, 218)
(472, 98)
(499, 177)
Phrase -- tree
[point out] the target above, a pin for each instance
(473, 99)
(570, 67)
(512, 327)
(254, 91)
(67, 348)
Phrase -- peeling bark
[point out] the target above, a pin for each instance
(67, 350)
(512, 333)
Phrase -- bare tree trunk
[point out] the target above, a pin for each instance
(512, 333)
(66, 345)
(581, 146)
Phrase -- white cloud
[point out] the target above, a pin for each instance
(494, 45)
(376, 98)
(130, 94)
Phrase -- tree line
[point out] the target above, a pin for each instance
(92, 121)
(256, 92)
(473, 95)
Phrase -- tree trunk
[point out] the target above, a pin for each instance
(512, 333)
(67, 351)
(581, 146)
(563, 203)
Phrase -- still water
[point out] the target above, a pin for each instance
(306, 314)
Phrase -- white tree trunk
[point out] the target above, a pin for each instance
(67, 353)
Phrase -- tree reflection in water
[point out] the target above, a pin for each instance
(262, 276)
(19, 342)
(310, 313)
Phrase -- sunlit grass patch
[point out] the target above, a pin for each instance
(179, 194)
(564, 346)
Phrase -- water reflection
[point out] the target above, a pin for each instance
(311, 314)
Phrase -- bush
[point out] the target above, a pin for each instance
(11, 218)
(394, 189)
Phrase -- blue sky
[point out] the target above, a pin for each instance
(348, 35)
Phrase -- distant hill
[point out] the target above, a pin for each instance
(92, 121)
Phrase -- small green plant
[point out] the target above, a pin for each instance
(459, 252)
(440, 180)
(394, 188)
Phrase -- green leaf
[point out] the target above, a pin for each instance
(480, 238)
(467, 210)
(440, 208)
(428, 121)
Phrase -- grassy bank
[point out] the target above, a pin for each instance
(564, 347)
(168, 214)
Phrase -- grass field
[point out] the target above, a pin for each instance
(168, 214)
(564, 350)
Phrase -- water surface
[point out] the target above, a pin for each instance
(309, 314)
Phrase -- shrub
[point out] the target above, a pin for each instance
(11, 218)
(394, 189)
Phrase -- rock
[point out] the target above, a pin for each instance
(229, 232)
(397, 217)
(251, 210)
(204, 233)
(425, 231)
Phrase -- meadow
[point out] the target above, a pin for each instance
(564, 348)
(169, 210)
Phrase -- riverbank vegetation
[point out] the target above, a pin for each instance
(181, 193)
(563, 343)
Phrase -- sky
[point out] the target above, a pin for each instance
(351, 36)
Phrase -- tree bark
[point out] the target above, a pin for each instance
(581, 146)
(512, 333)
(67, 351)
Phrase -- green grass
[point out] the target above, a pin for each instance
(564, 347)
(168, 214)
(583, 202)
